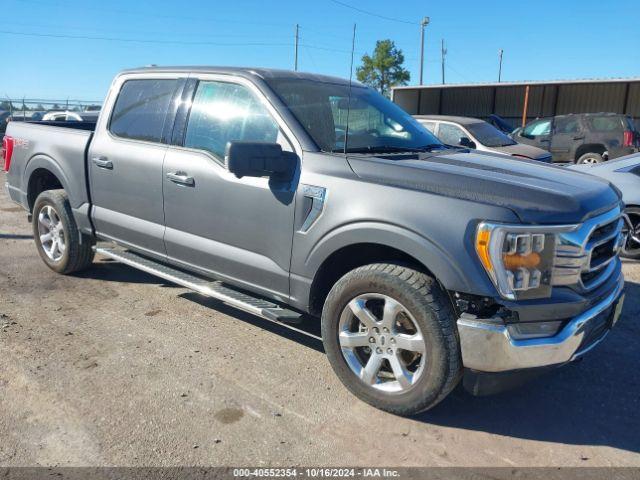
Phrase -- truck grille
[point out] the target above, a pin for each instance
(585, 257)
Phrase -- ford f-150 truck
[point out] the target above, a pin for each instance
(286, 194)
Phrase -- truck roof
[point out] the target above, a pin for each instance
(450, 118)
(264, 73)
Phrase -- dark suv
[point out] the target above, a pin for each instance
(582, 138)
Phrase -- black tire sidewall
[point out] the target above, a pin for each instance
(429, 387)
(44, 199)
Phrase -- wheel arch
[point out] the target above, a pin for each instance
(43, 173)
(348, 248)
(598, 148)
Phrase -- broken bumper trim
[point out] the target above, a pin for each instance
(487, 345)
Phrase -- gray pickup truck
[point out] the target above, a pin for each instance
(285, 194)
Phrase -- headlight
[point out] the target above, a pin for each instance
(519, 259)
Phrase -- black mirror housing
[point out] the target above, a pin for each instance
(259, 159)
(466, 142)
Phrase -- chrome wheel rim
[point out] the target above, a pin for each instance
(590, 161)
(632, 232)
(51, 232)
(382, 343)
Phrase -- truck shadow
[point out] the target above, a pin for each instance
(110, 271)
(306, 333)
(592, 402)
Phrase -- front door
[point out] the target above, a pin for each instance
(237, 229)
(125, 164)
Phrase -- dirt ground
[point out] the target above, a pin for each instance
(115, 367)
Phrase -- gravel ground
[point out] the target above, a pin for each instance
(115, 367)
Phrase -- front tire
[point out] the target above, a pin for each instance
(390, 336)
(59, 242)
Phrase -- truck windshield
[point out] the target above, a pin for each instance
(375, 123)
(489, 136)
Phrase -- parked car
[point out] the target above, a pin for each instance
(582, 138)
(4, 120)
(500, 123)
(70, 116)
(477, 134)
(624, 173)
(426, 264)
(26, 116)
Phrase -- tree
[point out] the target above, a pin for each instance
(384, 69)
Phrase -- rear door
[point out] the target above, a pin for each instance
(568, 135)
(125, 161)
(236, 229)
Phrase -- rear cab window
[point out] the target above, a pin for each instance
(142, 108)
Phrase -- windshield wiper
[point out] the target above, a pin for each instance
(391, 149)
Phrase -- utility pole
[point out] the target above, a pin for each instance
(297, 38)
(500, 53)
(443, 53)
(423, 24)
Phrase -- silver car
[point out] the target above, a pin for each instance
(477, 134)
(624, 173)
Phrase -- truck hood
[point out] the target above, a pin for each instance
(537, 193)
(524, 150)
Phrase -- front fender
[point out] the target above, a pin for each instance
(454, 268)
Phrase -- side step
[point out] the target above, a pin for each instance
(215, 289)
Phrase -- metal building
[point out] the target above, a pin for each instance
(520, 102)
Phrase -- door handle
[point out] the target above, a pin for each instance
(102, 162)
(579, 137)
(181, 178)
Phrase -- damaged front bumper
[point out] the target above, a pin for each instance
(487, 345)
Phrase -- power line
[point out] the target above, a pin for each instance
(141, 40)
(175, 42)
(391, 19)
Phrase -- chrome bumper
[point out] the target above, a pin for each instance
(487, 346)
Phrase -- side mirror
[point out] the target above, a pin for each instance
(259, 159)
(466, 142)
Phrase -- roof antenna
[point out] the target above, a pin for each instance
(353, 47)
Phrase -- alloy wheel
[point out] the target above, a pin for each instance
(382, 343)
(51, 231)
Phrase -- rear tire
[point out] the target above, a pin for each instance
(60, 244)
(590, 158)
(413, 331)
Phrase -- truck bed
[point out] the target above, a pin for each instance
(60, 148)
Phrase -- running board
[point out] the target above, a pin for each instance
(214, 289)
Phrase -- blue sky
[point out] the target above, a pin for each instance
(561, 39)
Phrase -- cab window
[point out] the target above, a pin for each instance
(566, 125)
(141, 109)
(450, 134)
(225, 112)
